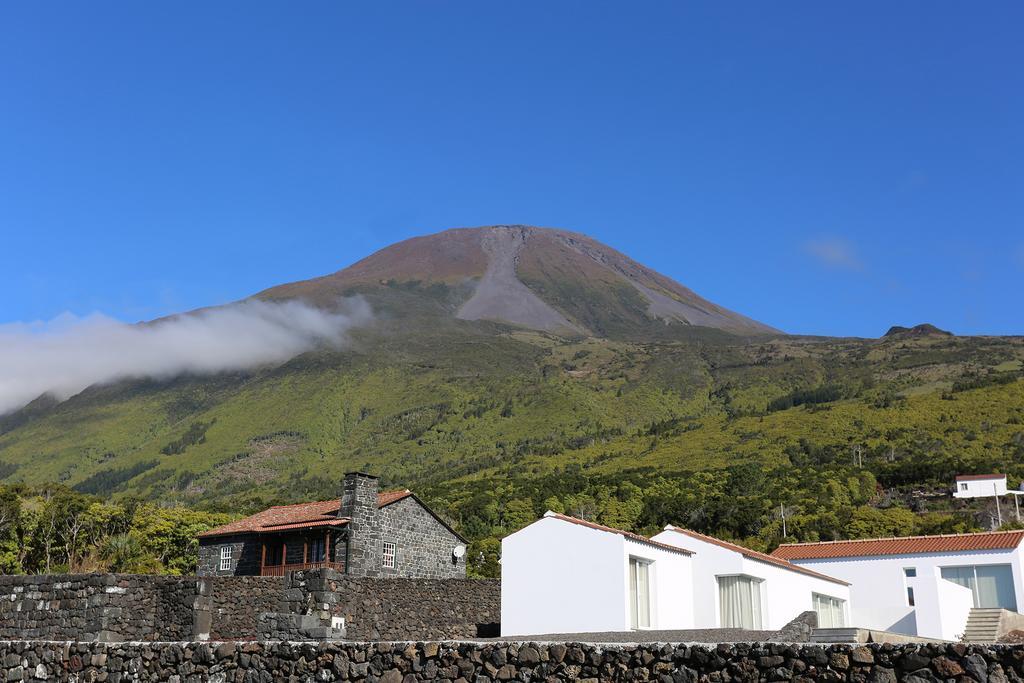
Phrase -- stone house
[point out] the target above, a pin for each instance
(365, 532)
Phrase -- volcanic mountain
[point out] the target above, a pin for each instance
(536, 278)
(515, 355)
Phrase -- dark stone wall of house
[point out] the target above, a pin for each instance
(97, 607)
(405, 662)
(423, 545)
(245, 556)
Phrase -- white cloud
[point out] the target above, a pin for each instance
(65, 355)
(835, 253)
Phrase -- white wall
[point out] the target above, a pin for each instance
(879, 590)
(977, 488)
(942, 607)
(561, 577)
(786, 593)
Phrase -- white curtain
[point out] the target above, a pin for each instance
(739, 599)
(639, 594)
(830, 611)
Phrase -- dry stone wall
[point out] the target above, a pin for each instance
(399, 609)
(96, 607)
(301, 605)
(451, 662)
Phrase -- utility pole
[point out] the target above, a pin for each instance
(782, 511)
(1016, 506)
(858, 456)
(995, 494)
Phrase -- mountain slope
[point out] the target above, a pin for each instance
(536, 278)
(587, 376)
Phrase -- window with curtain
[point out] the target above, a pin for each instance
(831, 611)
(739, 599)
(639, 593)
(317, 550)
(991, 584)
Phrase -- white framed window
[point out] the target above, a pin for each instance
(225, 558)
(388, 556)
(831, 611)
(740, 601)
(639, 593)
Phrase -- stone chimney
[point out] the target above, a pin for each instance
(359, 504)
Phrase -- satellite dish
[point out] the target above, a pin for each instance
(458, 551)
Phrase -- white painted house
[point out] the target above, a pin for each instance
(735, 587)
(920, 585)
(565, 575)
(980, 485)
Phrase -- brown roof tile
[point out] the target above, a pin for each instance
(755, 555)
(907, 545)
(626, 534)
(979, 477)
(297, 516)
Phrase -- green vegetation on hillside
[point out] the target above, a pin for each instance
(494, 426)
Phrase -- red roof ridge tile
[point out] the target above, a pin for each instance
(901, 545)
(903, 538)
(754, 554)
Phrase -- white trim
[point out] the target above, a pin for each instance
(388, 555)
(225, 558)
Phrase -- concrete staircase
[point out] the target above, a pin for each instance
(985, 625)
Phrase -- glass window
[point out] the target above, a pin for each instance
(910, 572)
(963, 487)
(316, 550)
(991, 584)
(831, 611)
(639, 593)
(388, 556)
(225, 558)
(739, 599)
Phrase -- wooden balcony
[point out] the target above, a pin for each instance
(282, 569)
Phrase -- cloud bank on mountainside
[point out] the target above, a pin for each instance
(69, 353)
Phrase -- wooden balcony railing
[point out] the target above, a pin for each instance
(282, 569)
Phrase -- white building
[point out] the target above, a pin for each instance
(565, 575)
(920, 585)
(735, 587)
(980, 485)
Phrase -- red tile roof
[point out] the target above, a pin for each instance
(979, 477)
(755, 555)
(626, 534)
(907, 545)
(298, 516)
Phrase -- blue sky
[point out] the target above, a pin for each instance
(829, 168)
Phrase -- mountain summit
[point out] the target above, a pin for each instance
(537, 278)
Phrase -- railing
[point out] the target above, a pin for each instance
(282, 569)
